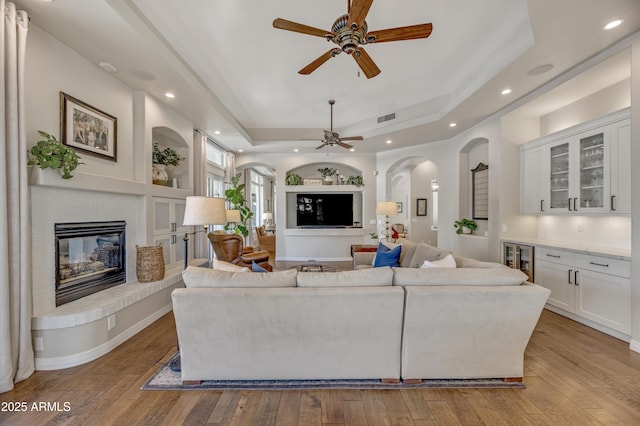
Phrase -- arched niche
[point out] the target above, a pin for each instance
(311, 173)
(473, 153)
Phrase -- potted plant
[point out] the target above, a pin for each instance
(374, 237)
(293, 179)
(161, 158)
(465, 226)
(355, 180)
(51, 153)
(327, 174)
(234, 195)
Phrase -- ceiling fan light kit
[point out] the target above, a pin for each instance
(350, 32)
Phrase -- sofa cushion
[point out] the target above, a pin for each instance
(408, 250)
(386, 256)
(377, 277)
(446, 262)
(458, 276)
(204, 277)
(424, 251)
(466, 262)
(221, 265)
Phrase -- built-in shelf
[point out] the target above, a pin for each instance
(323, 188)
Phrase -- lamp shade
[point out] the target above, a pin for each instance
(387, 208)
(204, 211)
(267, 216)
(233, 216)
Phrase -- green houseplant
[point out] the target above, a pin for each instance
(234, 195)
(51, 153)
(355, 180)
(161, 158)
(327, 174)
(293, 179)
(465, 226)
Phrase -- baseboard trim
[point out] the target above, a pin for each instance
(73, 360)
(634, 345)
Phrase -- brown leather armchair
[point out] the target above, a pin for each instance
(266, 241)
(230, 248)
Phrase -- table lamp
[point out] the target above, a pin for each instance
(386, 208)
(233, 217)
(268, 219)
(202, 211)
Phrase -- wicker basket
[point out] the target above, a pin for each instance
(149, 263)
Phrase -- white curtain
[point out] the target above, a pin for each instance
(230, 170)
(201, 243)
(16, 351)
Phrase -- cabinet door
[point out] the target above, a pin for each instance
(533, 181)
(593, 185)
(555, 277)
(604, 299)
(620, 197)
(162, 216)
(560, 177)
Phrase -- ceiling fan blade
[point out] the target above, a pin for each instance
(283, 24)
(401, 33)
(352, 138)
(358, 12)
(322, 146)
(365, 63)
(345, 145)
(315, 64)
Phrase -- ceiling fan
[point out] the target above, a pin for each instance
(350, 32)
(333, 138)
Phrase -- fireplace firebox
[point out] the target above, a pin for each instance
(90, 257)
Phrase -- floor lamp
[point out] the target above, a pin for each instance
(386, 208)
(199, 211)
(202, 211)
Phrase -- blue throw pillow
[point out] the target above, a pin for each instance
(386, 256)
(257, 268)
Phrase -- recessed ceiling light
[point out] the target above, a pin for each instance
(296, 150)
(352, 149)
(505, 91)
(389, 141)
(241, 150)
(541, 69)
(107, 66)
(170, 95)
(613, 24)
(452, 124)
(216, 132)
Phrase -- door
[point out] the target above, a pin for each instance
(525, 261)
(604, 298)
(593, 190)
(533, 176)
(559, 195)
(620, 197)
(555, 277)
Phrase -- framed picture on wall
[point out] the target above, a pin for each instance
(421, 207)
(88, 129)
(399, 206)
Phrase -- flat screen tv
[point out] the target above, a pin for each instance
(324, 210)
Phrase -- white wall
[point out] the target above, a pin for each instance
(420, 226)
(635, 196)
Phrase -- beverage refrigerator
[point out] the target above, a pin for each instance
(519, 256)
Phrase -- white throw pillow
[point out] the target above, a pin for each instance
(221, 265)
(447, 262)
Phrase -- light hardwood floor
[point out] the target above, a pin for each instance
(574, 375)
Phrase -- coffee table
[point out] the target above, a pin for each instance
(313, 266)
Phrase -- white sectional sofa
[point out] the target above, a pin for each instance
(384, 323)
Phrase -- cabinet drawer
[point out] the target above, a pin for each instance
(605, 265)
(555, 255)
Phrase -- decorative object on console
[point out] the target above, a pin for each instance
(350, 32)
(203, 211)
(149, 263)
(51, 153)
(294, 179)
(386, 208)
(87, 128)
(465, 226)
(234, 195)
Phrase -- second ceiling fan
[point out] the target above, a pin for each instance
(350, 32)
(333, 138)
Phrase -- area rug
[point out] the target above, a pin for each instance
(166, 379)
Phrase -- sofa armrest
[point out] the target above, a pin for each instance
(363, 259)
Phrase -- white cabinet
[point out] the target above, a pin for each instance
(582, 170)
(595, 288)
(168, 215)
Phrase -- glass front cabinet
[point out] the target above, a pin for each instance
(578, 174)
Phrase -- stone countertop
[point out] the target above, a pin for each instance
(613, 252)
